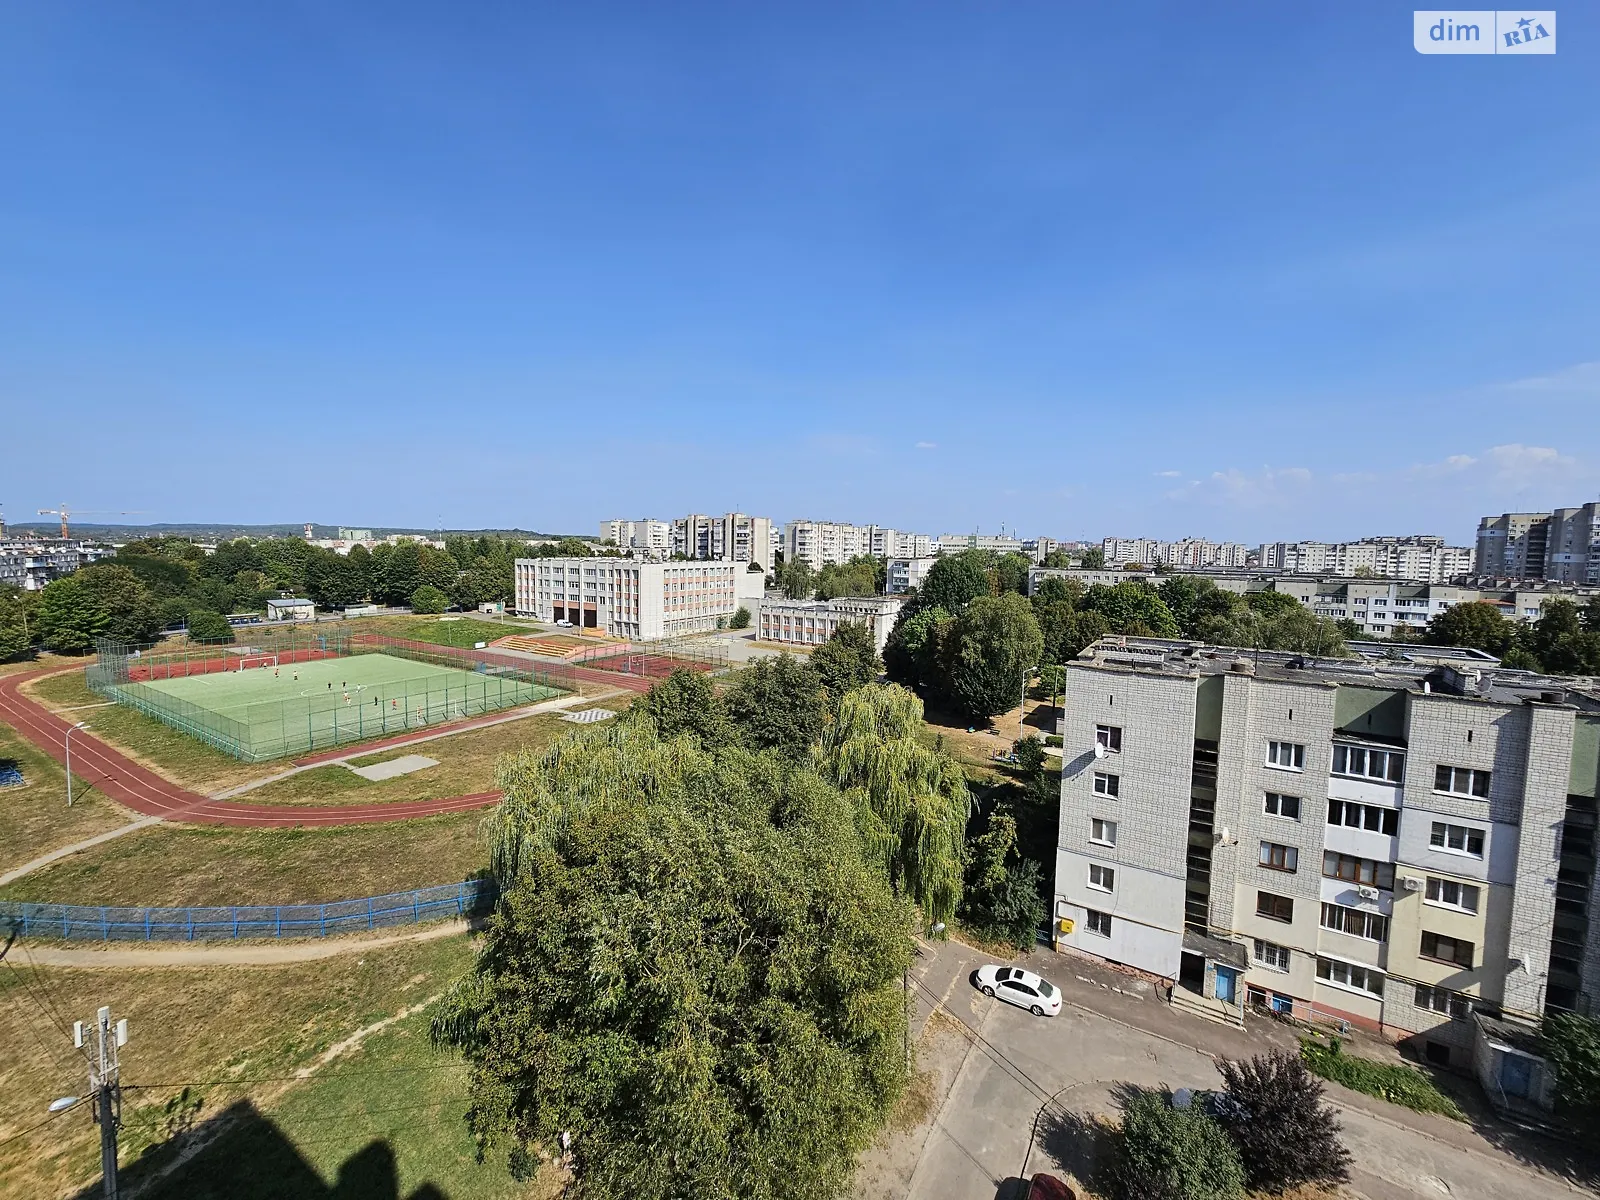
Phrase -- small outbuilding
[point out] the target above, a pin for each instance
(291, 610)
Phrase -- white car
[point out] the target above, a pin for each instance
(1022, 988)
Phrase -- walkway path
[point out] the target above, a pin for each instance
(205, 954)
(142, 790)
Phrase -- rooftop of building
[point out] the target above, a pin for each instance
(882, 602)
(1448, 670)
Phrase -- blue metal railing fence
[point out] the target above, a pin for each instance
(112, 923)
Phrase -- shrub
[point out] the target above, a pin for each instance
(208, 626)
(1171, 1153)
(1571, 1044)
(1401, 1085)
(1274, 1113)
(740, 618)
(428, 599)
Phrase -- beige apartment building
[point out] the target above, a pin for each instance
(640, 601)
(1421, 557)
(1561, 546)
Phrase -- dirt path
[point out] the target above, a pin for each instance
(142, 790)
(203, 954)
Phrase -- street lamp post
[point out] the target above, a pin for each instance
(79, 725)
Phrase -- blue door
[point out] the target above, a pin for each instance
(1516, 1075)
(1227, 984)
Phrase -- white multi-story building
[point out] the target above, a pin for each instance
(736, 537)
(1422, 557)
(1562, 546)
(812, 622)
(1189, 552)
(1000, 543)
(29, 564)
(1404, 845)
(645, 537)
(630, 598)
(907, 573)
(818, 543)
(897, 543)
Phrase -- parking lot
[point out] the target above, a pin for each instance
(1017, 1094)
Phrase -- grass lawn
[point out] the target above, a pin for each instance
(466, 764)
(462, 632)
(177, 864)
(34, 818)
(236, 1036)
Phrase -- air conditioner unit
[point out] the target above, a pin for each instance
(1411, 883)
(1367, 893)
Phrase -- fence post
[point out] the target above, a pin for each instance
(277, 929)
(105, 925)
(416, 907)
(236, 924)
(147, 924)
(189, 914)
(369, 912)
(323, 921)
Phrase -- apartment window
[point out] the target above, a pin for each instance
(1277, 805)
(1372, 817)
(1287, 756)
(1356, 922)
(1358, 870)
(1278, 857)
(1456, 839)
(1447, 893)
(1270, 954)
(1364, 762)
(1103, 832)
(1097, 923)
(1107, 785)
(1461, 781)
(1274, 908)
(1443, 1000)
(1349, 975)
(1446, 949)
(1109, 736)
(1101, 878)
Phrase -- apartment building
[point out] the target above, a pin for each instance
(630, 598)
(818, 543)
(1406, 846)
(1420, 557)
(31, 563)
(998, 543)
(1561, 546)
(812, 622)
(903, 574)
(736, 537)
(1189, 552)
(645, 537)
(897, 543)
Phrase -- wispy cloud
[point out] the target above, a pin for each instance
(1581, 378)
(1234, 488)
(927, 445)
(1169, 474)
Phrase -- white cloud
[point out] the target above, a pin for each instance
(1583, 378)
(1169, 474)
(1234, 488)
(927, 445)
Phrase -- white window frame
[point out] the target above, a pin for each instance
(1444, 831)
(1433, 895)
(1272, 810)
(1393, 763)
(1454, 788)
(1294, 752)
(1291, 857)
(1102, 832)
(1105, 735)
(1109, 874)
(1350, 969)
(1108, 785)
(1367, 920)
(1272, 956)
(1457, 1006)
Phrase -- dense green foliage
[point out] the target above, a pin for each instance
(1002, 900)
(1168, 1153)
(777, 704)
(68, 619)
(1401, 1085)
(796, 579)
(740, 618)
(846, 661)
(685, 702)
(206, 625)
(1571, 1045)
(1092, 559)
(692, 969)
(954, 581)
(18, 621)
(1565, 640)
(863, 575)
(428, 599)
(1275, 1114)
(992, 646)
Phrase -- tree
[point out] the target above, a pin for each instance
(797, 580)
(208, 626)
(131, 612)
(1477, 625)
(777, 704)
(1093, 559)
(1274, 1112)
(1029, 753)
(1002, 900)
(954, 581)
(691, 968)
(911, 653)
(846, 661)
(402, 572)
(1570, 1043)
(911, 801)
(1057, 560)
(1051, 681)
(1182, 595)
(17, 621)
(1561, 644)
(685, 703)
(428, 599)
(858, 577)
(1272, 604)
(991, 648)
(1011, 573)
(1131, 607)
(740, 618)
(69, 619)
(1169, 1153)
(572, 547)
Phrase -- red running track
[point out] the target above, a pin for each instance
(147, 793)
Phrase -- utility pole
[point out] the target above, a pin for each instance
(105, 1092)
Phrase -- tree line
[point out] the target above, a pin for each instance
(1565, 640)
(162, 583)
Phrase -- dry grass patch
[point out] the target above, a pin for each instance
(34, 818)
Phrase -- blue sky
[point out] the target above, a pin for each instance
(1134, 270)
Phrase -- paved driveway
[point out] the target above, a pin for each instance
(1023, 1099)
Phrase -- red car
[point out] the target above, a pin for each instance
(1046, 1187)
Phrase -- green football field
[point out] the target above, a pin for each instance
(272, 711)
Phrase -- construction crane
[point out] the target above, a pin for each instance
(63, 511)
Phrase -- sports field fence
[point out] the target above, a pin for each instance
(113, 923)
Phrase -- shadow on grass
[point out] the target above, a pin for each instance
(242, 1155)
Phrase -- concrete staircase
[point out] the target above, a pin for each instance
(1207, 1007)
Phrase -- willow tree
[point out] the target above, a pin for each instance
(692, 969)
(911, 801)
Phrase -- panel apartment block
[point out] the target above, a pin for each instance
(1393, 843)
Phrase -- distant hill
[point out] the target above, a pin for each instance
(222, 531)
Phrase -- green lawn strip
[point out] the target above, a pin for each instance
(1393, 1082)
(391, 1114)
(209, 1029)
(210, 865)
(34, 818)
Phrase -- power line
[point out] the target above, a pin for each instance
(22, 1133)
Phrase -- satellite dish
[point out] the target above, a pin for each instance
(1099, 750)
